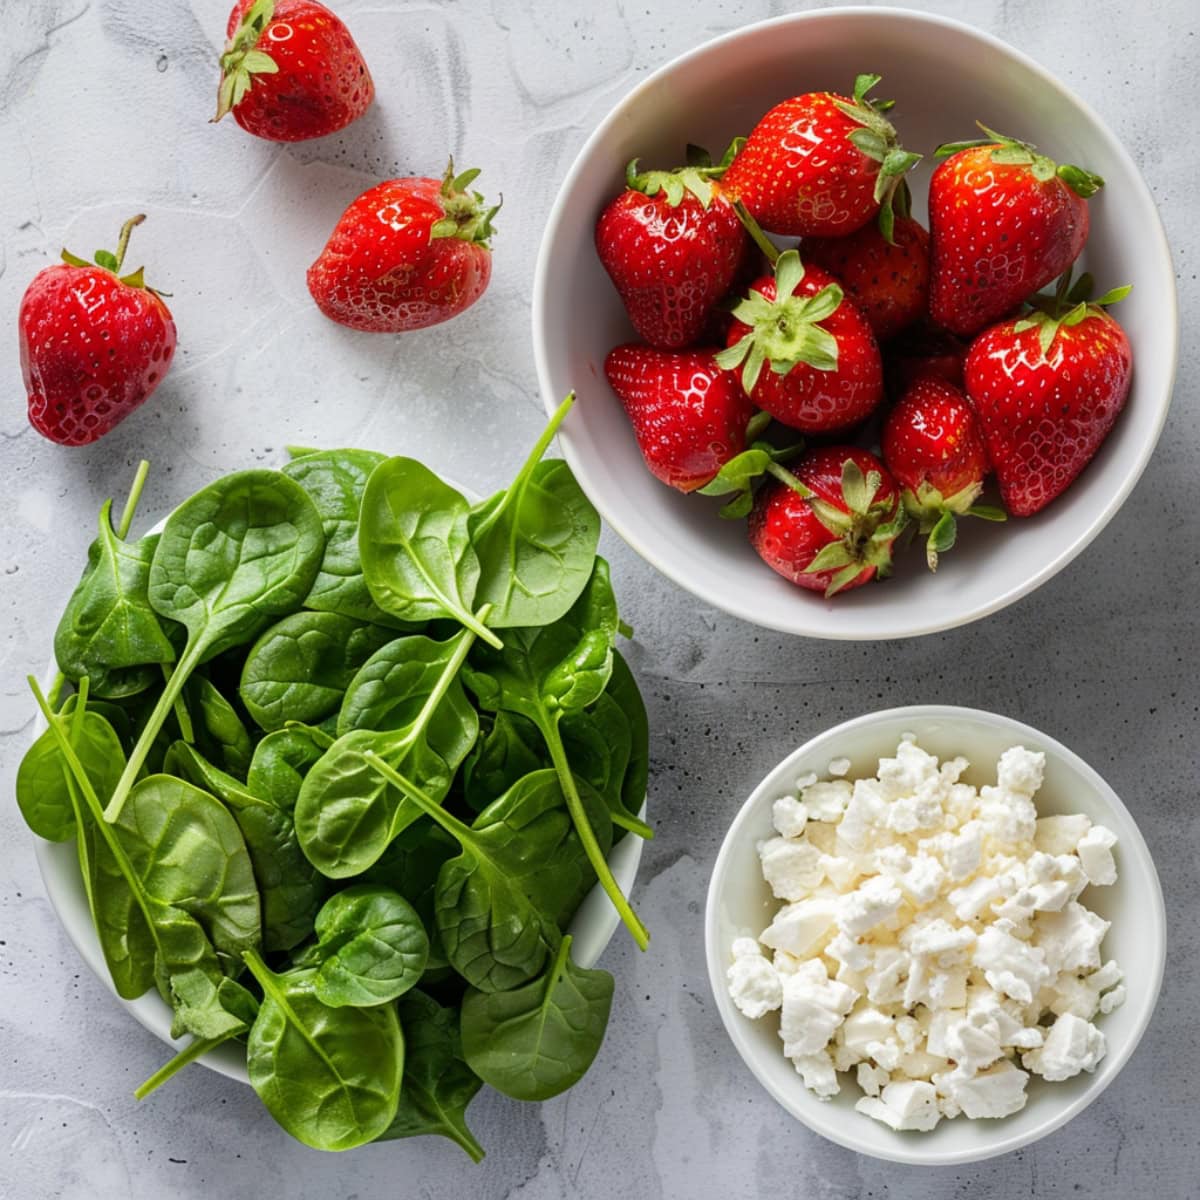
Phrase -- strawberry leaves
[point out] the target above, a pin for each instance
(112, 260)
(467, 216)
(241, 60)
(784, 331)
(694, 179)
(1067, 307)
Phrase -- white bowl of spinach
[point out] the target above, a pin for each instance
(340, 786)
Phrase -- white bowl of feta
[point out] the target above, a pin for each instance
(897, 945)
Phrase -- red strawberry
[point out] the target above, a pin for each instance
(1004, 221)
(831, 528)
(888, 281)
(671, 243)
(821, 164)
(689, 416)
(823, 371)
(408, 253)
(94, 344)
(933, 448)
(291, 71)
(924, 352)
(1047, 388)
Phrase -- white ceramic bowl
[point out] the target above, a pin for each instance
(944, 75)
(740, 904)
(592, 929)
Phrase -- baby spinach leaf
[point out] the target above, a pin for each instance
(218, 730)
(623, 689)
(240, 552)
(44, 780)
(509, 751)
(535, 541)
(346, 814)
(329, 1076)
(280, 762)
(291, 888)
(493, 933)
(108, 631)
(545, 672)
(371, 947)
(438, 1084)
(299, 669)
(535, 1041)
(415, 545)
(335, 480)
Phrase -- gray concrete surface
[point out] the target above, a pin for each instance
(98, 119)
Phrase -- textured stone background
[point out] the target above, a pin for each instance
(102, 113)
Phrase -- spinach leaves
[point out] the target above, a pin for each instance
(342, 754)
(535, 1041)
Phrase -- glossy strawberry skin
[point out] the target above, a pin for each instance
(997, 235)
(689, 416)
(670, 264)
(785, 530)
(92, 350)
(1044, 417)
(800, 175)
(381, 272)
(812, 400)
(322, 83)
(932, 438)
(888, 281)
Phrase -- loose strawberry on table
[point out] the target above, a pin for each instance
(831, 525)
(94, 344)
(1047, 388)
(407, 254)
(805, 353)
(1004, 220)
(688, 415)
(291, 71)
(671, 243)
(821, 164)
(933, 447)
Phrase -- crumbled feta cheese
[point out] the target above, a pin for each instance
(1071, 1046)
(1060, 834)
(839, 766)
(789, 816)
(903, 1105)
(754, 983)
(792, 868)
(818, 1074)
(1095, 855)
(930, 931)
(800, 926)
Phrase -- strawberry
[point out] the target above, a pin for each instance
(94, 344)
(1047, 388)
(1004, 221)
(831, 526)
(671, 243)
(821, 164)
(824, 369)
(888, 281)
(688, 415)
(407, 254)
(934, 450)
(291, 71)
(923, 352)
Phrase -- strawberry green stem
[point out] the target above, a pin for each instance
(755, 230)
(123, 239)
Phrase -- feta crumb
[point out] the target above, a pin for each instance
(793, 869)
(827, 800)
(1095, 855)
(789, 816)
(860, 910)
(871, 1079)
(839, 766)
(800, 926)
(907, 1104)
(1060, 834)
(806, 780)
(997, 1092)
(1113, 999)
(1071, 1046)
(818, 1074)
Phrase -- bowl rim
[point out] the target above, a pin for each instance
(802, 624)
(150, 1010)
(911, 1151)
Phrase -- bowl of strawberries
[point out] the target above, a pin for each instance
(908, 320)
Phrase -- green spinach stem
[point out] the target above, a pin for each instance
(195, 1049)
